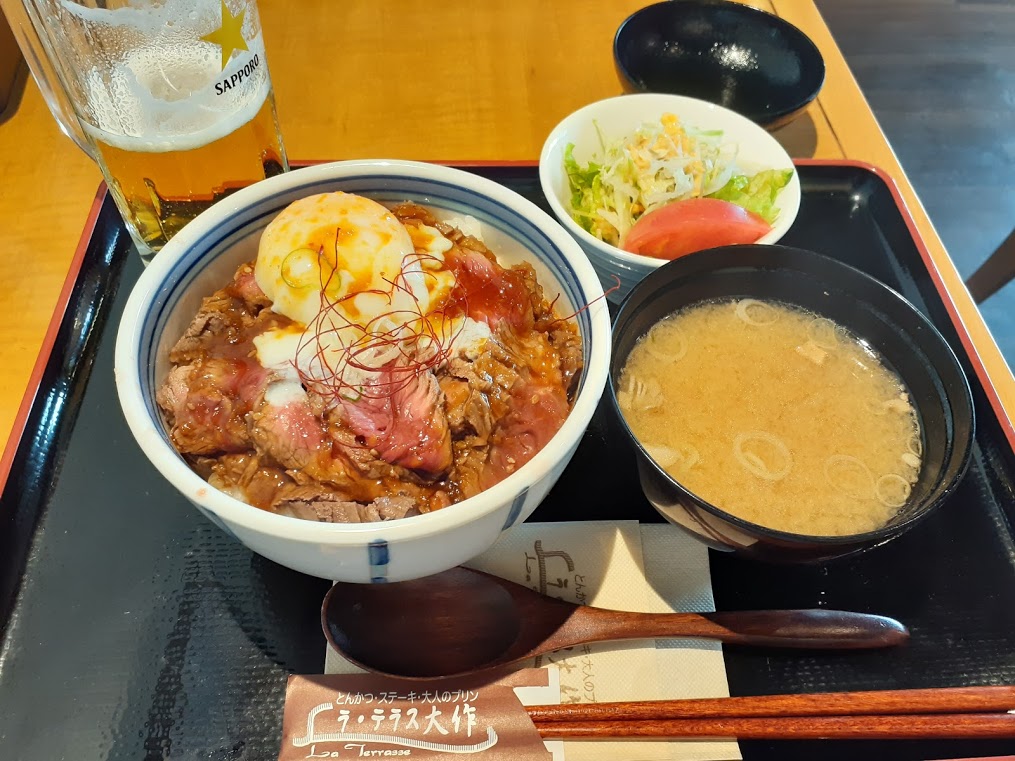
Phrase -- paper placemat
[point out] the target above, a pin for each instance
(625, 566)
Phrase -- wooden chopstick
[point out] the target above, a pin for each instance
(946, 700)
(909, 727)
(930, 714)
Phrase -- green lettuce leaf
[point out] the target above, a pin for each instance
(586, 188)
(756, 193)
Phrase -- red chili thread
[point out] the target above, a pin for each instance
(606, 293)
(436, 328)
(423, 341)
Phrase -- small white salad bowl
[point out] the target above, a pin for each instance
(616, 118)
(202, 259)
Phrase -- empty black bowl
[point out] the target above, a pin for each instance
(739, 57)
(893, 327)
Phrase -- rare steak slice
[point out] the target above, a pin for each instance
(206, 403)
(402, 418)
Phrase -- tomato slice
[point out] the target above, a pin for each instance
(682, 227)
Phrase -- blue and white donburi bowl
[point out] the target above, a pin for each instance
(203, 257)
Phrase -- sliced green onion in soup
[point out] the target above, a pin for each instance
(755, 312)
(850, 476)
(910, 459)
(915, 445)
(665, 342)
(897, 404)
(892, 490)
(763, 454)
(824, 333)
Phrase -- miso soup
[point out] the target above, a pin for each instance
(774, 414)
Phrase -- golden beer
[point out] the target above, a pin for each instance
(182, 115)
(158, 192)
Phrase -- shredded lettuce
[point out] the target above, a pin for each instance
(757, 193)
(586, 188)
(660, 163)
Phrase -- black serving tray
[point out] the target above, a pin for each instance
(134, 629)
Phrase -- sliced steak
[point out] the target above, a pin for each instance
(206, 404)
(407, 211)
(403, 420)
(216, 380)
(536, 415)
(564, 337)
(245, 477)
(489, 293)
(294, 437)
(366, 460)
(245, 288)
(466, 478)
(468, 410)
(222, 319)
(390, 508)
(226, 319)
(317, 504)
(289, 433)
(412, 441)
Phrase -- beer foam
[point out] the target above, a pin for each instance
(165, 89)
(151, 21)
(159, 141)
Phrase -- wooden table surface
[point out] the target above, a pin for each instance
(407, 79)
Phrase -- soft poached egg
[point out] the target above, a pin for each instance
(346, 270)
(353, 249)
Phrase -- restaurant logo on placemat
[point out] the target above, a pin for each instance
(553, 572)
(356, 716)
(363, 718)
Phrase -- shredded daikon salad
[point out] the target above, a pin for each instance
(660, 163)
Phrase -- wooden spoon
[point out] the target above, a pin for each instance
(463, 621)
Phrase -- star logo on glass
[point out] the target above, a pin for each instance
(229, 35)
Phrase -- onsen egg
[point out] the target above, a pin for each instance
(351, 247)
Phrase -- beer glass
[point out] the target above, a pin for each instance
(172, 97)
